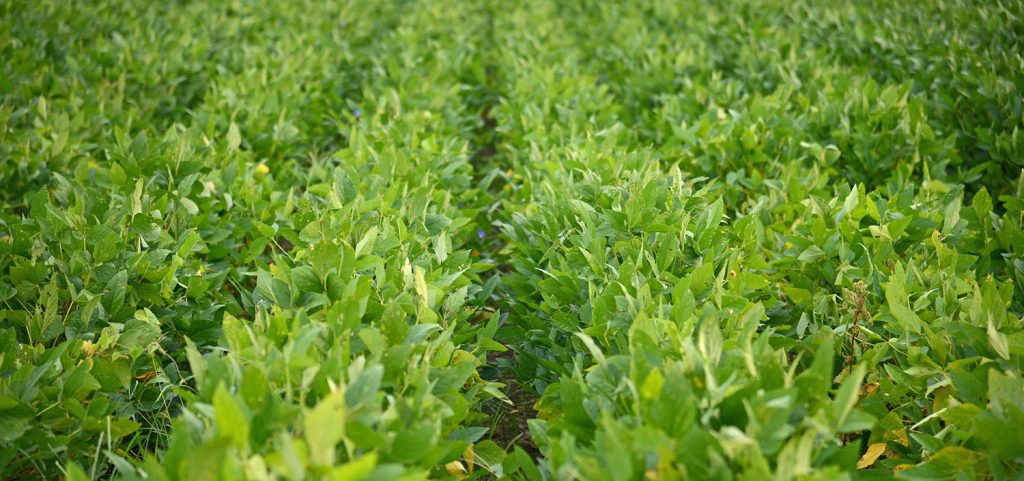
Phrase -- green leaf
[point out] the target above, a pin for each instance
(846, 397)
(365, 245)
(306, 280)
(811, 254)
(75, 472)
(51, 358)
(441, 246)
(45, 324)
(196, 362)
(140, 331)
(232, 422)
(234, 137)
(998, 341)
(896, 298)
(410, 445)
(490, 456)
(364, 388)
(982, 204)
(273, 289)
(945, 464)
(851, 202)
(436, 223)
(1006, 393)
(117, 288)
(592, 347)
(358, 469)
(324, 428)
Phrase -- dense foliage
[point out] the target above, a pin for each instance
(754, 239)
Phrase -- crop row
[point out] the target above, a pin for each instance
(541, 240)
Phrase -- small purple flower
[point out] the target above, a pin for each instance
(357, 112)
(480, 234)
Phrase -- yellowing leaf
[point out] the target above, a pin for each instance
(871, 455)
(652, 385)
(88, 348)
(470, 456)
(455, 468)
